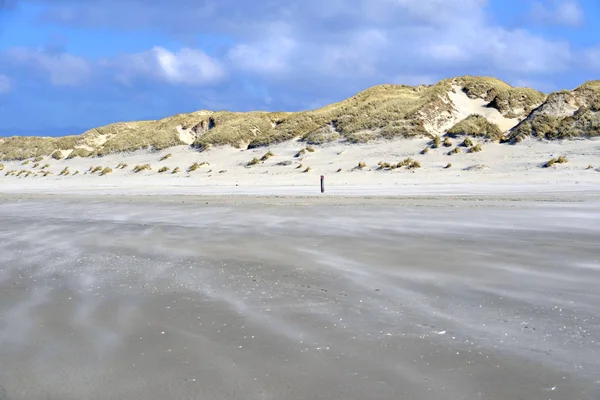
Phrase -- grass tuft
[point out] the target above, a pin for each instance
(175, 170)
(106, 171)
(456, 150)
(339, 170)
(467, 142)
(300, 153)
(163, 169)
(476, 149)
(449, 165)
(141, 167)
(267, 156)
(447, 142)
(362, 165)
(254, 161)
(57, 155)
(310, 149)
(166, 157)
(308, 169)
(425, 150)
(38, 159)
(65, 172)
(96, 169)
(25, 162)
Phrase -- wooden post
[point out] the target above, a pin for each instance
(322, 183)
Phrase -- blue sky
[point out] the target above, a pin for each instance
(70, 65)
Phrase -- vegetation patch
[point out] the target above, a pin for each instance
(175, 170)
(106, 171)
(166, 157)
(475, 125)
(57, 155)
(475, 149)
(163, 169)
(142, 167)
(79, 152)
(456, 150)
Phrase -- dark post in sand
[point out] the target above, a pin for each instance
(322, 183)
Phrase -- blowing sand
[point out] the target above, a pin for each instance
(109, 299)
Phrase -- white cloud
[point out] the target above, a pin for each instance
(271, 54)
(186, 66)
(5, 84)
(64, 69)
(558, 12)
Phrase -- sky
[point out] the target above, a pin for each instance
(70, 65)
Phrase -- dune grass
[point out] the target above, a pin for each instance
(300, 153)
(57, 155)
(38, 159)
(175, 170)
(254, 161)
(1, 167)
(447, 142)
(308, 169)
(310, 149)
(193, 167)
(267, 155)
(65, 172)
(339, 170)
(121, 165)
(45, 166)
(166, 157)
(96, 169)
(425, 150)
(435, 142)
(163, 169)
(299, 166)
(456, 150)
(25, 162)
(449, 165)
(75, 173)
(79, 152)
(46, 173)
(362, 165)
(475, 125)
(35, 165)
(467, 142)
(106, 171)
(141, 167)
(476, 149)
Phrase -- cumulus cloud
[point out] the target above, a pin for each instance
(63, 69)
(558, 12)
(186, 66)
(5, 84)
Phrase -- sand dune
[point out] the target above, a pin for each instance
(283, 173)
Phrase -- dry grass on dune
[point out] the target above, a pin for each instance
(163, 169)
(476, 149)
(106, 171)
(552, 161)
(121, 165)
(1, 167)
(79, 152)
(166, 157)
(57, 155)
(477, 126)
(65, 172)
(175, 170)
(142, 167)
(456, 150)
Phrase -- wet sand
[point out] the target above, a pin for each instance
(406, 299)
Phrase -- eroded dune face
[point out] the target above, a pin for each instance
(441, 299)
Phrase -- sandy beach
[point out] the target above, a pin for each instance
(188, 297)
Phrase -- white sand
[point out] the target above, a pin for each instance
(508, 169)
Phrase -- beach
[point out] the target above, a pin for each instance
(491, 295)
